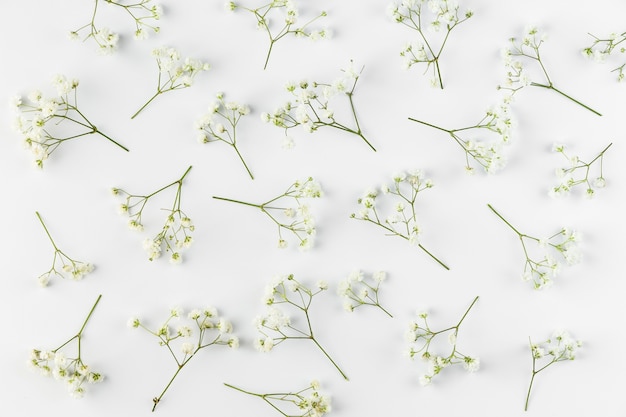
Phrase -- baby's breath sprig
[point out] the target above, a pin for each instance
(71, 371)
(142, 13)
(360, 290)
(601, 48)
(74, 268)
(540, 272)
(298, 220)
(212, 130)
(176, 232)
(420, 337)
(174, 73)
(567, 176)
(38, 118)
(311, 109)
(517, 77)
(561, 347)
(413, 14)
(290, 17)
(275, 325)
(308, 402)
(403, 221)
(211, 329)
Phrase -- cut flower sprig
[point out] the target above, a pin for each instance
(71, 371)
(39, 117)
(602, 48)
(568, 177)
(402, 221)
(307, 402)
(275, 326)
(420, 336)
(289, 217)
(560, 347)
(289, 20)
(541, 271)
(201, 329)
(61, 263)
(359, 289)
(176, 232)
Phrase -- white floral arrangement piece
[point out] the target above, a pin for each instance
(577, 173)
(286, 13)
(425, 17)
(311, 106)
(402, 221)
(72, 372)
(62, 264)
(359, 289)
(176, 232)
(174, 72)
(40, 117)
(220, 124)
(527, 49)
(200, 329)
(603, 48)
(420, 336)
(307, 402)
(285, 293)
(542, 269)
(294, 217)
(560, 347)
(143, 12)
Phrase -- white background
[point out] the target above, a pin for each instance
(235, 253)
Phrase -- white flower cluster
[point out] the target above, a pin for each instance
(358, 290)
(310, 106)
(567, 176)
(602, 48)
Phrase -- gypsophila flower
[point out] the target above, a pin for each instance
(517, 76)
(176, 232)
(287, 15)
(569, 179)
(359, 290)
(438, 15)
(275, 325)
(542, 269)
(308, 402)
(39, 118)
(62, 264)
(199, 329)
(402, 223)
(602, 48)
(72, 372)
(419, 336)
(211, 126)
(311, 106)
(174, 72)
(560, 347)
(296, 218)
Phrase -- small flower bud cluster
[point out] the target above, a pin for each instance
(359, 290)
(602, 48)
(569, 179)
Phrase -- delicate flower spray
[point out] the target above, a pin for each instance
(420, 16)
(517, 76)
(73, 372)
(275, 325)
(176, 232)
(420, 336)
(143, 13)
(359, 290)
(311, 108)
(39, 118)
(402, 221)
(206, 326)
(602, 48)
(285, 12)
(174, 72)
(577, 173)
(308, 402)
(541, 271)
(61, 263)
(296, 217)
(220, 124)
(561, 347)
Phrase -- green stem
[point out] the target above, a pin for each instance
(433, 256)
(46, 230)
(329, 358)
(431, 125)
(467, 311)
(243, 162)
(551, 87)
(237, 201)
(505, 221)
(156, 400)
(146, 104)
